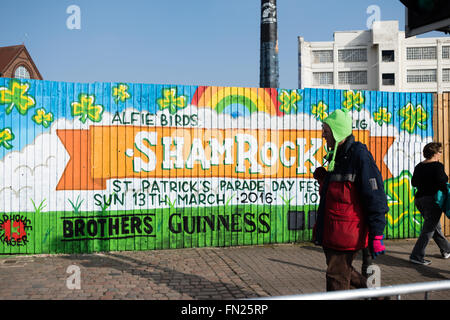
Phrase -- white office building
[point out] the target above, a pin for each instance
(379, 59)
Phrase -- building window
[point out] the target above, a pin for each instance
(445, 75)
(353, 77)
(387, 56)
(421, 53)
(352, 55)
(322, 56)
(21, 73)
(388, 79)
(322, 78)
(421, 75)
(445, 52)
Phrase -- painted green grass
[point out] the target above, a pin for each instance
(47, 235)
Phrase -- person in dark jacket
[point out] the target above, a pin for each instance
(320, 174)
(352, 208)
(429, 177)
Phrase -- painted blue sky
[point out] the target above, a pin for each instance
(198, 42)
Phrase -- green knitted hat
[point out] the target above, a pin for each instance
(340, 122)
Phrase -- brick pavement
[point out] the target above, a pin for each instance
(202, 273)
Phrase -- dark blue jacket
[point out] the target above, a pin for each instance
(355, 188)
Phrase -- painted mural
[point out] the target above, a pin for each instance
(121, 166)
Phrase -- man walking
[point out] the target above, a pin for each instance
(351, 213)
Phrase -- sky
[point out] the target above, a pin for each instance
(197, 42)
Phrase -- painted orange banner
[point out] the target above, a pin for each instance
(109, 152)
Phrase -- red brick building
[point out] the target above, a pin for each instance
(16, 62)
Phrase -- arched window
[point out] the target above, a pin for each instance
(21, 73)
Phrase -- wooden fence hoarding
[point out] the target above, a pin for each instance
(121, 166)
(441, 128)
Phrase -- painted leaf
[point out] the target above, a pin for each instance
(401, 203)
(289, 101)
(16, 96)
(353, 100)
(43, 118)
(120, 93)
(320, 110)
(414, 116)
(171, 100)
(382, 116)
(6, 135)
(86, 108)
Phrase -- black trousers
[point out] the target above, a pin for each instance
(366, 261)
(431, 228)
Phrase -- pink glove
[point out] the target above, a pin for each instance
(376, 246)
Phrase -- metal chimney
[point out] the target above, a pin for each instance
(268, 68)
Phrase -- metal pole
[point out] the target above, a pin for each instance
(268, 68)
(396, 290)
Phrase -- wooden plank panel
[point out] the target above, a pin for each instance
(441, 134)
(446, 150)
(250, 109)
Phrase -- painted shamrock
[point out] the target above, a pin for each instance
(171, 100)
(353, 100)
(382, 116)
(16, 96)
(414, 116)
(401, 204)
(120, 93)
(43, 118)
(6, 135)
(320, 110)
(289, 101)
(86, 108)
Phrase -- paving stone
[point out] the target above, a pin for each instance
(204, 273)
